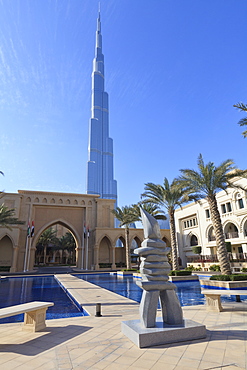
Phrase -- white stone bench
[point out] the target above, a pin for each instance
(213, 300)
(35, 313)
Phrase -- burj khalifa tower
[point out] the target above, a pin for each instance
(100, 177)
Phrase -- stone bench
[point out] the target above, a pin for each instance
(35, 313)
(213, 300)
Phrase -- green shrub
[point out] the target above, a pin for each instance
(135, 270)
(244, 269)
(238, 277)
(189, 268)
(221, 277)
(192, 268)
(233, 277)
(120, 264)
(105, 265)
(172, 273)
(5, 268)
(214, 268)
(196, 249)
(180, 272)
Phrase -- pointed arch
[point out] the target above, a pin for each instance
(105, 250)
(192, 239)
(243, 226)
(54, 222)
(6, 251)
(121, 237)
(164, 239)
(231, 229)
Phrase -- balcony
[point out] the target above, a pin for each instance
(232, 235)
(233, 257)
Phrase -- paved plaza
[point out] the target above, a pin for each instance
(91, 342)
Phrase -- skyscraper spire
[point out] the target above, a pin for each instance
(100, 179)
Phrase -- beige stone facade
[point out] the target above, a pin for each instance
(194, 226)
(72, 211)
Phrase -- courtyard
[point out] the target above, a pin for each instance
(91, 342)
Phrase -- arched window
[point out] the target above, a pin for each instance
(231, 231)
(211, 235)
(193, 240)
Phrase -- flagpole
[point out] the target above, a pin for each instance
(27, 237)
(83, 246)
(30, 244)
(87, 250)
(26, 252)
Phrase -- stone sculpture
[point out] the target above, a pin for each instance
(155, 269)
(171, 327)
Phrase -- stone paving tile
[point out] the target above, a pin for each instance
(12, 364)
(171, 360)
(143, 364)
(161, 366)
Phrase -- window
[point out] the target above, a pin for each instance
(240, 203)
(193, 240)
(207, 213)
(190, 222)
(228, 207)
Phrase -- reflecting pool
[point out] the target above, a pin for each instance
(36, 288)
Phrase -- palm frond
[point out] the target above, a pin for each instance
(241, 106)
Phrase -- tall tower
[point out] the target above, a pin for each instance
(100, 178)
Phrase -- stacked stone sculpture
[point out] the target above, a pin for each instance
(171, 327)
(155, 269)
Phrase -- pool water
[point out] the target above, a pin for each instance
(189, 293)
(45, 288)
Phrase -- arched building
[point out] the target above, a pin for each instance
(194, 225)
(96, 249)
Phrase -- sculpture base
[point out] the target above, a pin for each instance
(162, 333)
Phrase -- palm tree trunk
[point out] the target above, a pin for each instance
(44, 254)
(127, 246)
(175, 265)
(219, 236)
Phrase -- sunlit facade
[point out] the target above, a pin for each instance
(194, 224)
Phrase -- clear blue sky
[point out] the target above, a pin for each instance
(173, 68)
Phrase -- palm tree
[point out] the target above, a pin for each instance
(205, 183)
(7, 217)
(126, 215)
(170, 196)
(67, 242)
(46, 238)
(243, 121)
